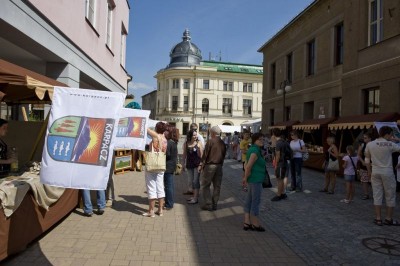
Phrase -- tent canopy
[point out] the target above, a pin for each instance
(314, 123)
(362, 121)
(284, 125)
(251, 122)
(229, 129)
(22, 85)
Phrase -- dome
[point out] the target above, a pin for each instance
(185, 53)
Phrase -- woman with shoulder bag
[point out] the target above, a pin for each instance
(331, 166)
(253, 178)
(155, 180)
(362, 168)
(192, 153)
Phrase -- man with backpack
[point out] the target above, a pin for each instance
(282, 155)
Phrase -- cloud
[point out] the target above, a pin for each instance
(139, 86)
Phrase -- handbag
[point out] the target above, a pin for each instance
(267, 180)
(355, 169)
(333, 165)
(305, 155)
(178, 168)
(155, 161)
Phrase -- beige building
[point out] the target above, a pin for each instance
(340, 58)
(206, 92)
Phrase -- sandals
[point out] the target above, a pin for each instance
(365, 197)
(391, 222)
(247, 227)
(378, 222)
(159, 213)
(149, 214)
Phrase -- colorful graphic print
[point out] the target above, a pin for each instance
(131, 127)
(80, 140)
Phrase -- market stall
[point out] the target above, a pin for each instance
(229, 129)
(314, 133)
(252, 125)
(285, 127)
(19, 86)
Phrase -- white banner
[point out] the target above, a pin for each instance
(132, 129)
(80, 137)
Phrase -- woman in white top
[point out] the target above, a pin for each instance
(298, 148)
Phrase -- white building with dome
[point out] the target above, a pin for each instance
(209, 93)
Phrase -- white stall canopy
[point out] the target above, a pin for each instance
(229, 129)
(253, 125)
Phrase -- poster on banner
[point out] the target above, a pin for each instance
(132, 129)
(393, 125)
(80, 138)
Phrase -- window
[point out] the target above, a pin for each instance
(375, 21)
(273, 76)
(206, 84)
(227, 106)
(308, 110)
(246, 107)
(175, 83)
(247, 87)
(339, 44)
(175, 103)
(204, 106)
(123, 46)
(311, 58)
(186, 84)
(228, 86)
(289, 67)
(90, 11)
(371, 101)
(185, 103)
(337, 107)
(110, 8)
(271, 117)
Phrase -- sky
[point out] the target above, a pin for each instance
(234, 29)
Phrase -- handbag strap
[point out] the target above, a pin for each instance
(355, 170)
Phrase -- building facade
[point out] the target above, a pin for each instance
(149, 102)
(208, 93)
(340, 58)
(79, 43)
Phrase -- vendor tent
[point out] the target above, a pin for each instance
(284, 125)
(21, 85)
(362, 121)
(229, 129)
(254, 125)
(313, 123)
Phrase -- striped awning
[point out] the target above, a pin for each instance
(362, 121)
(313, 123)
(284, 125)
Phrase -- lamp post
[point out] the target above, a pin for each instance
(283, 89)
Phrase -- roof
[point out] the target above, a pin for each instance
(314, 123)
(23, 85)
(362, 121)
(234, 67)
(288, 25)
(284, 125)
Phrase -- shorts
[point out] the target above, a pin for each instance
(384, 185)
(280, 172)
(349, 178)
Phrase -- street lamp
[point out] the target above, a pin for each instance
(283, 89)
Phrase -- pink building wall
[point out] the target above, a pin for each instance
(69, 17)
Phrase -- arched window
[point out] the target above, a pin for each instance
(204, 105)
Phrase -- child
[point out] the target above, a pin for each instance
(349, 166)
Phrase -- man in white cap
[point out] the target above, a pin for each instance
(211, 169)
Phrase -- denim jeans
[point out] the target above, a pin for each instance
(253, 198)
(169, 190)
(296, 164)
(87, 203)
(194, 175)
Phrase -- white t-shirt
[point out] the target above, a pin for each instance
(380, 151)
(296, 148)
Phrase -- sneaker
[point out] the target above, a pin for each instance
(284, 196)
(109, 203)
(100, 212)
(189, 199)
(149, 214)
(193, 201)
(88, 214)
(365, 197)
(276, 198)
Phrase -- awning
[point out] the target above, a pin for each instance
(229, 129)
(362, 121)
(284, 125)
(251, 122)
(314, 123)
(23, 85)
